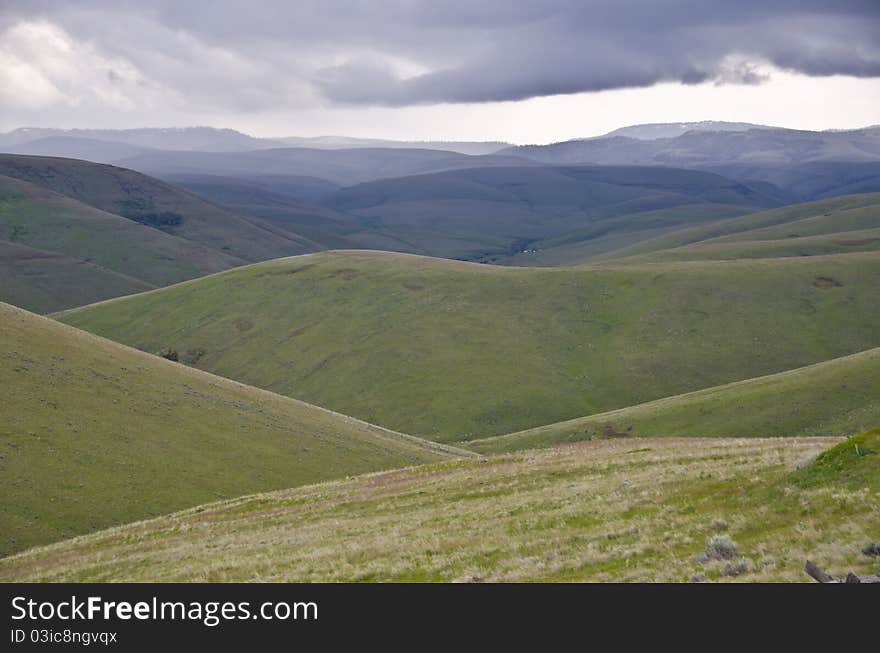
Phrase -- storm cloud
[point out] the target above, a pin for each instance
(166, 61)
(405, 52)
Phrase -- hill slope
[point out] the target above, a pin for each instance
(93, 434)
(33, 216)
(454, 350)
(157, 204)
(615, 510)
(483, 213)
(837, 225)
(837, 397)
(43, 281)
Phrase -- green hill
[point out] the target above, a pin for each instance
(838, 225)
(93, 433)
(605, 238)
(37, 218)
(837, 397)
(853, 463)
(613, 510)
(456, 351)
(156, 204)
(47, 281)
(487, 214)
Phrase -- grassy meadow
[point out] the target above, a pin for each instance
(613, 510)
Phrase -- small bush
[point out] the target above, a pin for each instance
(170, 354)
(720, 547)
(872, 549)
(736, 568)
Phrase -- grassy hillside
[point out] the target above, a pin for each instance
(614, 510)
(811, 181)
(452, 350)
(35, 217)
(603, 239)
(43, 281)
(837, 397)
(156, 204)
(93, 433)
(853, 463)
(487, 213)
(824, 226)
(284, 201)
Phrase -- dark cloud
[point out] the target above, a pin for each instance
(411, 52)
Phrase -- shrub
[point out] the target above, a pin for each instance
(720, 547)
(170, 354)
(158, 219)
(737, 568)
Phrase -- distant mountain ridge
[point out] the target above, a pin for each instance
(697, 149)
(41, 140)
(652, 131)
(203, 139)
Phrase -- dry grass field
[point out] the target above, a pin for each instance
(626, 509)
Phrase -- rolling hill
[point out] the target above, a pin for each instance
(287, 202)
(836, 397)
(156, 204)
(641, 510)
(488, 213)
(835, 226)
(455, 351)
(63, 252)
(43, 281)
(95, 434)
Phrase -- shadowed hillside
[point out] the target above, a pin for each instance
(34, 216)
(155, 204)
(834, 226)
(488, 213)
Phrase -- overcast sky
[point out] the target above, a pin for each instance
(517, 70)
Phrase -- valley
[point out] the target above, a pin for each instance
(237, 358)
